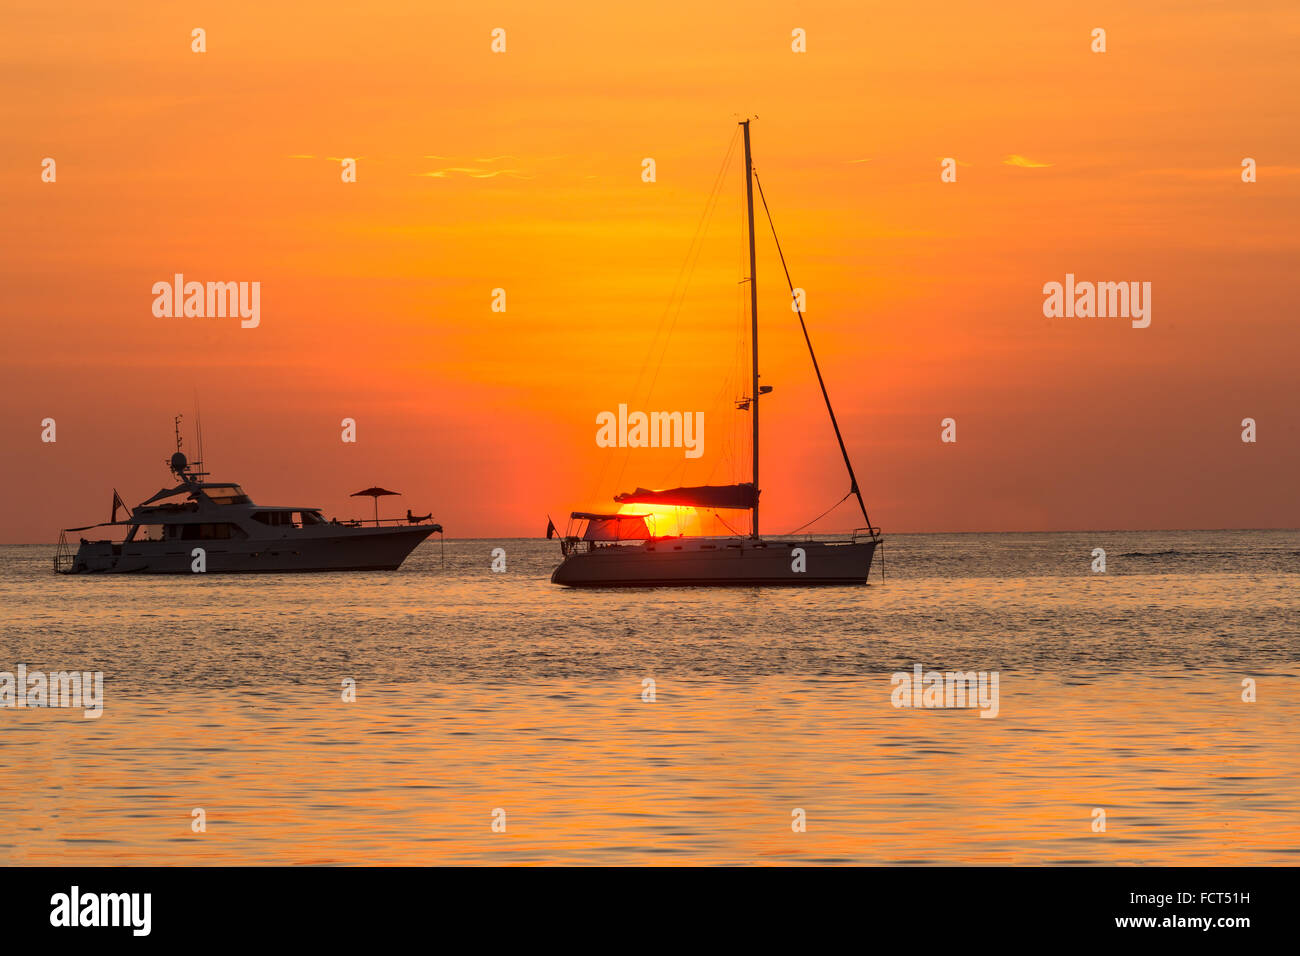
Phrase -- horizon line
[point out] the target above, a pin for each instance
(9, 544)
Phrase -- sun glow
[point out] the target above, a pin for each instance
(667, 521)
(924, 297)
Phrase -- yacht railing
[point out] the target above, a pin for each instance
(64, 556)
(371, 523)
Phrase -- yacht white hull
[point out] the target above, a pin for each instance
(335, 549)
(717, 562)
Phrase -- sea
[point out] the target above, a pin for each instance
(447, 713)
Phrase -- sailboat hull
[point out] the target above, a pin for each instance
(718, 562)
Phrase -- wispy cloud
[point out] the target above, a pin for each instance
(1015, 159)
(482, 167)
(473, 172)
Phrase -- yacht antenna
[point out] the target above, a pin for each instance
(178, 464)
(198, 430)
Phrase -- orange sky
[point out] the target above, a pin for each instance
(924, 298)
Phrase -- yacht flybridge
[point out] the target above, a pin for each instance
(163, 534)
(621, 549)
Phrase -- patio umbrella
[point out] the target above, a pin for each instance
(374, 492)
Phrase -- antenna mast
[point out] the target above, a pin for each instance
(198, 430)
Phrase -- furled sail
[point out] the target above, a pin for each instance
(739, 497)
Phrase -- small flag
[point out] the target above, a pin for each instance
(550, 529)
(118, 503)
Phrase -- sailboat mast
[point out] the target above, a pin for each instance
(753, 319)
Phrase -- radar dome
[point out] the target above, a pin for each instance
(179, 462)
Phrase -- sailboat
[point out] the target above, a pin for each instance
(620, 549)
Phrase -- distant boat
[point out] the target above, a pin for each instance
(621, 550)
(236, 535)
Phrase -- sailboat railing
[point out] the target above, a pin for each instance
(64, 556)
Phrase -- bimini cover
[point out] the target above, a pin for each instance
(613, 527)
(165, 493)
(738, 497)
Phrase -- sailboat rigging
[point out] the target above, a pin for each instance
(854, 489)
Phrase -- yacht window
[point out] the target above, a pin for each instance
(274, 518)
(310, 517)
(146, 532)
(216, 531)
(226, 495)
